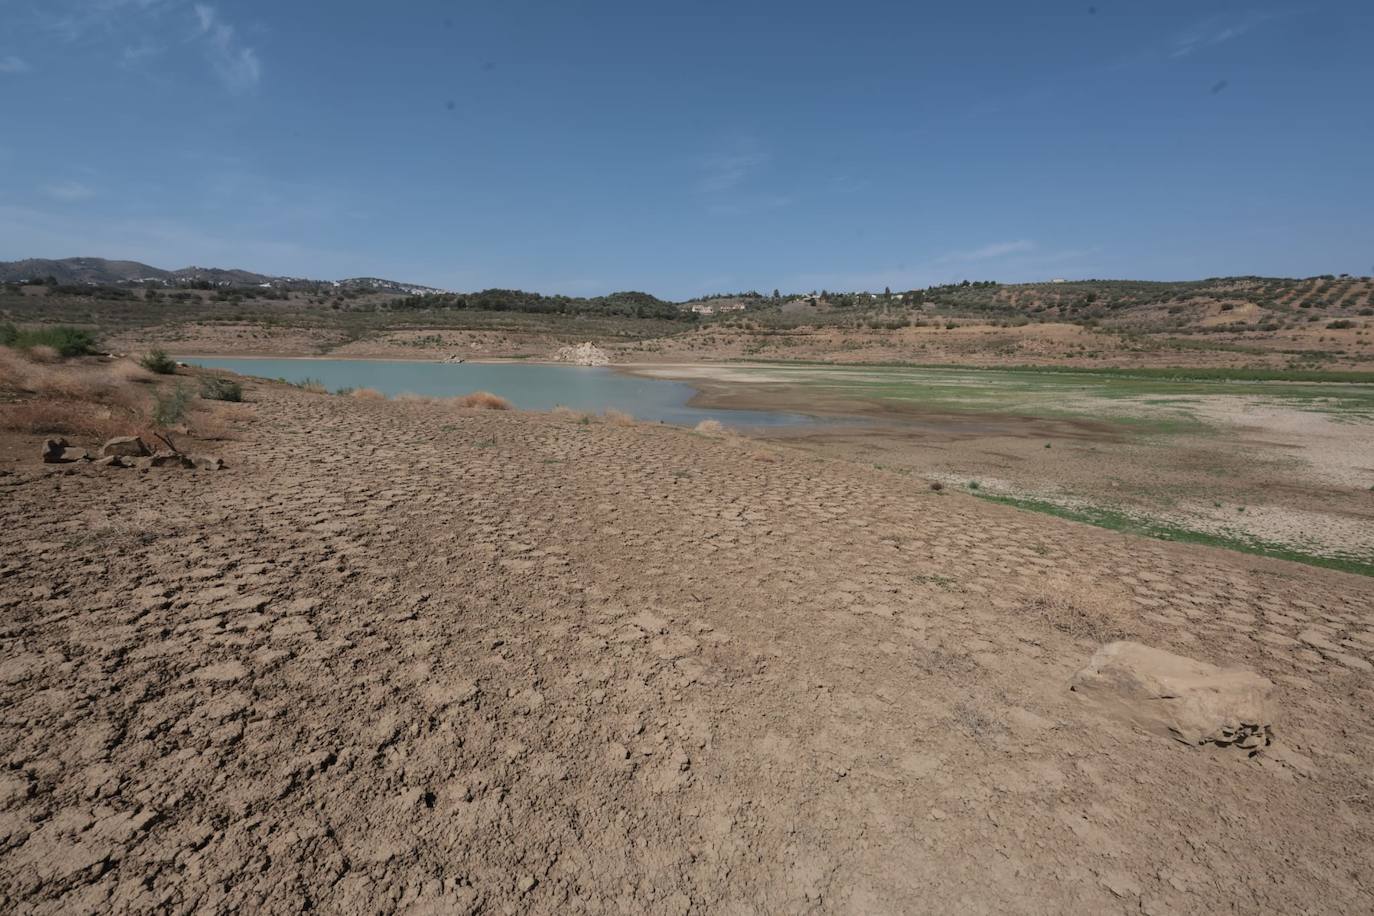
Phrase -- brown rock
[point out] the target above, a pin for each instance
(1177, 697)
(111, 461)
(53, 449)
(125, 447)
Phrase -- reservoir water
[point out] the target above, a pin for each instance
(529, 386)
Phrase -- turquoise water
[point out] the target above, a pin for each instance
(526, 385)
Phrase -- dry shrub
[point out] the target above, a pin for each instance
(709, 428)
(482, 400)
(215, 423)
(101, 383)
(618, 417)
(126, 370)
(44, 354)
(313, 387)
(367, 394)
(1068, 617)
(70, 418)
(18, 372)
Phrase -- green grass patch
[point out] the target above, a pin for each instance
(66, 341)
(1115, 520)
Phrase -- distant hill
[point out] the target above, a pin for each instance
(103, 272)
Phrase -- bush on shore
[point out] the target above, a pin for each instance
(66, 341)
(158, 361)
(221, 389)
(169, 408)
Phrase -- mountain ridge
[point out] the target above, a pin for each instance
(113, 272)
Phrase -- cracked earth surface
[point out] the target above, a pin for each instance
(403, 658)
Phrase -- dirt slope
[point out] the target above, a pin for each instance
(403, 658)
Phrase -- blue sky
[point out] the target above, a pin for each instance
(690, 147)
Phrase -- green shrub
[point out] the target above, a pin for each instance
(66, 341)
(1340, 325)
(170, 407)
(221, 389)
(158, 361)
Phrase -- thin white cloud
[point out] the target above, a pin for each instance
(135, 54)
(988, 252)
(1216, 30)
(236, 65)
(728, 169)
(132, 31)
(12, 64)
(69, 191)
(1010, 262)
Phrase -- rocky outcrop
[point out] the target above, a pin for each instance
(1178, 697)
(125, 447)
(584, 354)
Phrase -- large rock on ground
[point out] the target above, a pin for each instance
(57, 451)
(125, 447)
(1177, 697)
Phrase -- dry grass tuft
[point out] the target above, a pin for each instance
(1068, 617)
(618, 417)
(216, 424)
(711, 428)
(126, 370)
(44, 354)
(49, 416)
(367, 394)
(482, 400)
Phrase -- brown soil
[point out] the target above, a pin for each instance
(402, 657)
(968, 344)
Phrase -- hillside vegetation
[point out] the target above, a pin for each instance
(1317, 323)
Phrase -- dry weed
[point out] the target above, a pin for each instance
(215, 424)
(44, 354)
(482, 400)
(126, 370)
(367, 394)
(1068, 617)
(711, 428)
(618, 417)
(73, 418)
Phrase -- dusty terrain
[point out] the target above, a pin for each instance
(970, 343)
(399, 656)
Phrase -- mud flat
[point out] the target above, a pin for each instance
(1281, 468)
(402, 657)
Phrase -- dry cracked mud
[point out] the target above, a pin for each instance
(402, 658)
